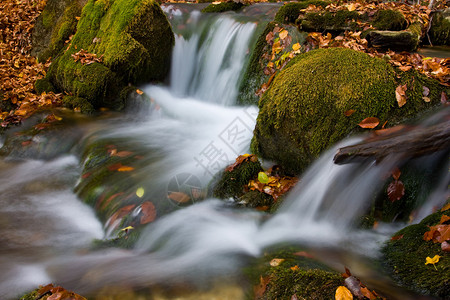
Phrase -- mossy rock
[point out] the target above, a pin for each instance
(54, 26)
(134, 39)
(405, 258)
(78, 104)
(222, 7)
(389, 19)
(230, 184)
(440, 28)
(302, 113)
(289, 12)
(254, 75)
(43, 85)
(330, 21)
(294, 275)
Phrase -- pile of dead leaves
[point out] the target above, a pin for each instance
(57, 293)
(440, 233)
(354, 288)
(86, 58)
(272, 184)
(18, 69)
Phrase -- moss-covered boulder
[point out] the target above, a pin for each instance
(54, 26)
(131, 42)
(440, 28)
(339, 21)
(302, 113)
(389, 20)
(405, 257)
(222, 7)
(290, 11)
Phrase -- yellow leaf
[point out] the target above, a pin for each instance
(276, 262)
(125, 169)
(342, 293)
(284, 34)
(351, 7)
(433, 260)
(127, 228)
(140, 192)
(263, 178)
(296, 46)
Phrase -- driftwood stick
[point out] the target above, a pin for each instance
(407, 142)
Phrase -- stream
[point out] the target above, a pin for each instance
(191, 131)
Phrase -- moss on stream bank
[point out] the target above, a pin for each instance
(132, 41)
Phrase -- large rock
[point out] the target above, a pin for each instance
(302, 113)
(54, 26)
(440, 28)
(133, 41)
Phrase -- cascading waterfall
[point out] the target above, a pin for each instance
(195, 129)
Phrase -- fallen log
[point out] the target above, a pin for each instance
(404, 142)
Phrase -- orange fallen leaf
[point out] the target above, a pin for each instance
(342, 293)
(125, 169)
(179, 197)
(369, 123)
(349, 112)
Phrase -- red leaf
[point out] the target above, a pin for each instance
(396, 173)
(239, 160)
(349, 112)
(370, 122)
(148, 212)
(395, 190)
(397, 237)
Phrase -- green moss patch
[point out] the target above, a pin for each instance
(302, 114)
(290, 12)
(406, 256)
(134, 41)
(327, 21)
(440, 28)
(389, 20)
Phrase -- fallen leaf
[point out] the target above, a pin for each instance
(263, 178)
(426, 99)
(276, 262)
(241, 159)
(395, 190)
(342, 293)
(444, 98)
(148, 212)
(396, 173)
(349, 112)
(433, 260)
(179, 197)
(369, 123)
(426, 91)
(140, 192)
(446, 207)
(445, 246)
(400, 95)
(397, 237)
(296, 47)
(125, 169)
(260, 289)
(295, 268)
(139, 92)
(283, 34)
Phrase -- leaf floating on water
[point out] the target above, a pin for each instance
(148, 212)
(139, 92)
(179, 197)
(140, 192)
(125, 169)
(369, 123)
(342, 293)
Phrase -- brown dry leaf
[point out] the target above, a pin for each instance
(445, 246)
(349, 112)
(368, 294)
(438, 234)
(444, 98)
(276, 262)
(395, 190)
(283, 34)
(240, 159)
(400, 95)
(179, 197)
(260, 289)
(396, 173)
(369, 123)
(148, 212)
(446, 207)
(397, 237)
